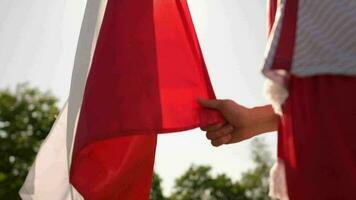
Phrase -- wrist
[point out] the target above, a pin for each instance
(264, 119)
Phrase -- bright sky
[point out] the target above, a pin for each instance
(39, 47)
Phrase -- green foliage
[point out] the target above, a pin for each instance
(198, 183)
(26, 117)
(156, 190)
(256, 180)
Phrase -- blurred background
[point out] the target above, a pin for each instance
(36, 60)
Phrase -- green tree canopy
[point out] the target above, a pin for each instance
(156, 189)
(198, 183)
(26, 116)
(256, 180)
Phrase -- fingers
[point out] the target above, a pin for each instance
(222, 140)
(209, 103)
(212, 127)
(220, 132)
(221, 135)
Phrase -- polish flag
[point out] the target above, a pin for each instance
(138, 71)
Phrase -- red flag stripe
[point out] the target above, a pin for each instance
(146, 75)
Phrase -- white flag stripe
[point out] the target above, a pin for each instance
(49, 175)
(50, 166)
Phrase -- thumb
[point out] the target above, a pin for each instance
(209, 103)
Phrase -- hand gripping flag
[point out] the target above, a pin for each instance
(144, 78)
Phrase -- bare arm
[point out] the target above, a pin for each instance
(242, 123)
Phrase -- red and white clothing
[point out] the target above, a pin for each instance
(311, 37)
(311, 61)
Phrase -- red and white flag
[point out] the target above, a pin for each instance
(138, 71)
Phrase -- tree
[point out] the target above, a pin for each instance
(156, 189)
(256, 180)
(198, 184)
(26, 116)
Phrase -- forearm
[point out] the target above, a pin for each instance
(266, 120)
(241, 123)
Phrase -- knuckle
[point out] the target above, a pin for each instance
(228, 129)
(227, 139)
(221, 103)
(229, 101)
(226, 103)
(208, 136)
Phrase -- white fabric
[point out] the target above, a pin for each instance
(276, 94)
(49, 175)
(278, 183)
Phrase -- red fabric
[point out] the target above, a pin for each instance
(318, 138)
(285, 49)
(272, 10)
(117, 168)
(146, 75)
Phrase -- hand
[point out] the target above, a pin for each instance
(242, 123)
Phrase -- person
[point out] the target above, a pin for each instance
(311, 69)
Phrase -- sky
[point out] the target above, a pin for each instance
(39, 48)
